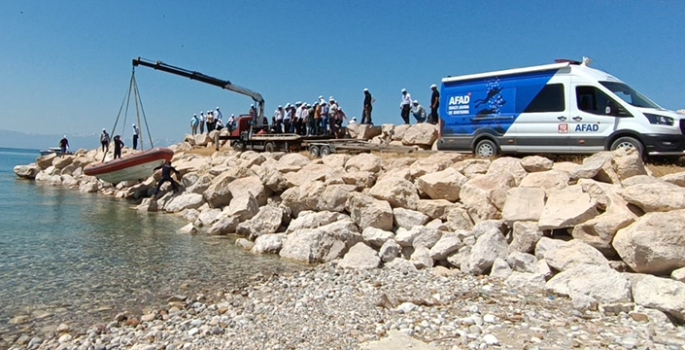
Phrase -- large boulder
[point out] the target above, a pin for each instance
(243, 206)
(661, 294)
(655, 196)
(472, 167)
(250, 158)
(253, 185)
(508, 165)
(534, 164)
(225, 225)
(364, 162)
(368, 131)
(489, 246)
(293, 160)
(27, 171)
(310, 219)
(422, 134)
(458, 219)
(309, 173)
(435, 208)
(61, 162)
(627, 162)
(45, 161)
(598, 166)
(599, 231)
(270, 243)
(654, 243)
(568, 255)
(408, 218)
(369, 212)
(523, 204)
(334, 198)
(322, 244)
(398, 192)
(360, 256)
(360, 179)
(195, 164)
(273, 179)
(677, 179)
(550, 181)
(445, 184)
(601, 283)
(267, 220)
(435, 162)
(376, 237)
(567, 208)
(337, 160)
(445, 246)
(303, 198)
(485, 195)
(526, 235)
(184, 201)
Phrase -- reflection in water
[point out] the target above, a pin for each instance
(67, 254)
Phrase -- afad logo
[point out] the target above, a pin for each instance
(460, 100)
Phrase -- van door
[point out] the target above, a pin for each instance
(543, 124)
(590, 123)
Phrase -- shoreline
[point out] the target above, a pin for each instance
(439, 214)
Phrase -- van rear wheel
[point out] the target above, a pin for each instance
(485, 149)
(628, 142)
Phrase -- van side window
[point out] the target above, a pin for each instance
(549, 99)
(593, 100)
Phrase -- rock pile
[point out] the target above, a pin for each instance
(604, 232)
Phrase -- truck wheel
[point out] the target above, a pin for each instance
(325, 150)
(269, 147)
(628, 142)
(485, 149)
(314, 151)
(238, 146)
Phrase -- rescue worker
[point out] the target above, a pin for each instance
(118, 145)
(166, 176)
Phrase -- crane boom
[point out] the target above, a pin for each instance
(224, 84)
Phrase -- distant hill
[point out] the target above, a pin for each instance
(15, 139)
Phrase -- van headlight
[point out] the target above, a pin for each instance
(659, 119)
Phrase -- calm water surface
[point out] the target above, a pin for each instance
(80, 258)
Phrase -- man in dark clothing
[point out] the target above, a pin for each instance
(368, 107)
(166, 176)
(118, 145)
(64, 145)
(435, 104)
(136, 131)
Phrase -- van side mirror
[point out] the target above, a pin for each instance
(611, 108)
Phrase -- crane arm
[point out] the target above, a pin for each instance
(224, 84)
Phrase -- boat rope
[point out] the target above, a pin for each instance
(139, 101)
(126, 100)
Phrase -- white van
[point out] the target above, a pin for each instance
(565, 107)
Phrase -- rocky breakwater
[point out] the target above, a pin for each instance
(605, 233)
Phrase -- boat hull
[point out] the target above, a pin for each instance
(134, 167)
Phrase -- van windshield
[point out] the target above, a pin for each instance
(630, 95)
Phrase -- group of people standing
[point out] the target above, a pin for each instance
(417, 110)
(210, 121)
(320, 118)
(118, 143)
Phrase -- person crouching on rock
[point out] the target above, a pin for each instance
(118, 145)
(166, 176)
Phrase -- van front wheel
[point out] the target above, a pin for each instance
(485, 149)
(628, 142)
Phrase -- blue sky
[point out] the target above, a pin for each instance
(65, 65)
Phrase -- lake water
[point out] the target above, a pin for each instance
(80, 258)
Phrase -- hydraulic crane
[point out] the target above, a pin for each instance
(224, 84)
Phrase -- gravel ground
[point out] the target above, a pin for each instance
(328, 307)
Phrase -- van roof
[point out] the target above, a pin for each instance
(576, 68)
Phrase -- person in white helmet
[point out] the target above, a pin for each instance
(405, 106)
(104, 140)
(203, 119)
(194, 122)
(64, 146)
(418, 112)
(136, 132)
(231, 123)
(435, 104)
(218, 115)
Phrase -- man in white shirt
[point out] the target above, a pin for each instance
(231, 123)
(218, 115)
(203, 119)
(135, 136)
(280, 114)
(405, 106)
(419, 112)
